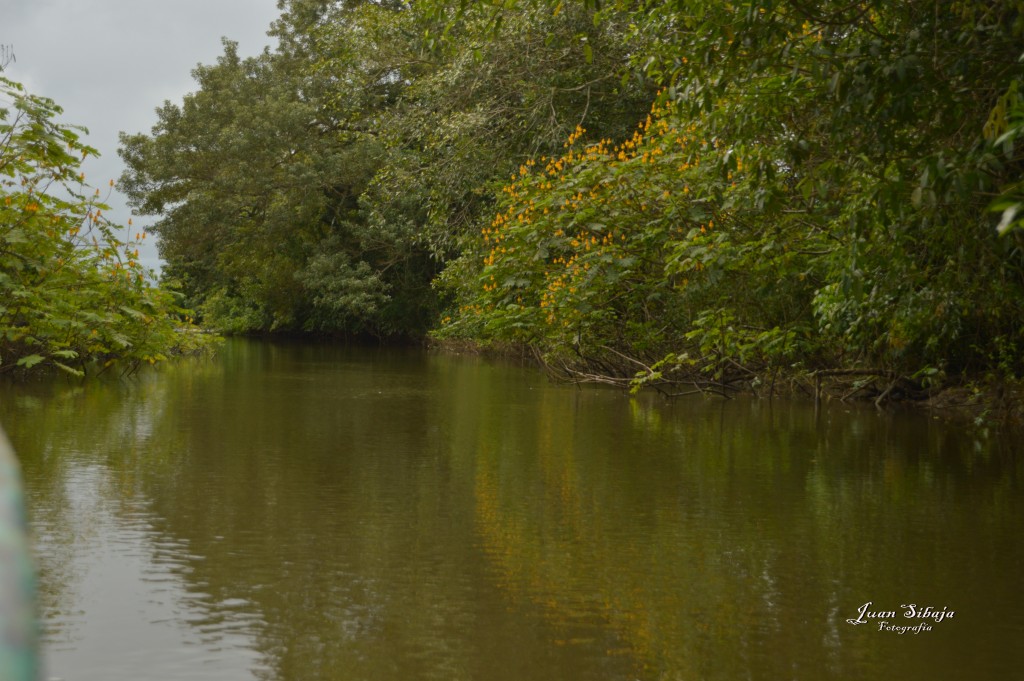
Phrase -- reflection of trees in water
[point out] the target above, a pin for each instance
(723, 540)
(70, 439)
(88, 453)
(388, 515)
(349, 524)
(291, 491)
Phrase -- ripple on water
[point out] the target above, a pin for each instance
(116, 597)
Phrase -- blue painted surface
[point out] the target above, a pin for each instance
(19, 659)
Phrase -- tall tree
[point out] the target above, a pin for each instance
(323, 186)
(253, 182)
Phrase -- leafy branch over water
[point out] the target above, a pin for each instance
(72, 295)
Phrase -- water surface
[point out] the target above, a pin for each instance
(290, 512)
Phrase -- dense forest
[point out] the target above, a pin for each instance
(635, 191)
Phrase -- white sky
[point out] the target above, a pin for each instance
(111, 63)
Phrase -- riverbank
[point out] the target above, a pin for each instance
(981, 399)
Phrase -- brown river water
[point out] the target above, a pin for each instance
(294, 512)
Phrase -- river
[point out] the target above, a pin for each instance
(293, 512)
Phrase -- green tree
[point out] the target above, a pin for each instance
(323, 186)
(496, 96)
(848, 155)
(257, 188)
(71, 293)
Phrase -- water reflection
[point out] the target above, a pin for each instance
(299, 511)
(115, 594)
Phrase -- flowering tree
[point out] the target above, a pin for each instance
(814, 189)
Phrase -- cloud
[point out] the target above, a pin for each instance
(111, 63)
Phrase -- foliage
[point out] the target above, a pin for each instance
(848, 156)
(71, 292)
(257, 179)
(497, 97)
(622, 250)
(323, 186)
(1005, 128)
(817, 186)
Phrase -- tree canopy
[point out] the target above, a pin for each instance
(322, 187)
(814, 187)
(631, 189)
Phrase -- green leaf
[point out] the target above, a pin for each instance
(915, 197)
(30, 361)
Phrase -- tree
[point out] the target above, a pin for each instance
(322, 187)
(848, 155)
(254, 182)
(71, 292)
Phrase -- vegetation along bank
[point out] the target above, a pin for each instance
(687, 195)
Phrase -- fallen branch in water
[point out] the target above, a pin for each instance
(894, 380)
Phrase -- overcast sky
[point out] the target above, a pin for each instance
(110, 63)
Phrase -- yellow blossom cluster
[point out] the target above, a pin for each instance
(569, 223)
